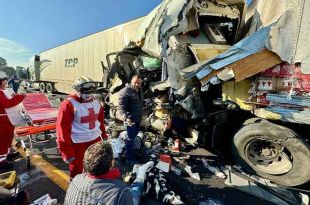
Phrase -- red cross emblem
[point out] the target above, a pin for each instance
(90, 119)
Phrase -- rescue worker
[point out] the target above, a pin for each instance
(130, 107)
(14, 83)
(7, 101)
(101, 184)
(80, 123)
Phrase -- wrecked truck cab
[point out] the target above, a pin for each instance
(214, 83)
(122, 66)
(130, 61)
(262, 147)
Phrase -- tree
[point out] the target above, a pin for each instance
(10, 71)
(2, 62)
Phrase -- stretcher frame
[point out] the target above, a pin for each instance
(45, 127)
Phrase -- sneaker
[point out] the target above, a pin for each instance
(12, 156)
(5, 165)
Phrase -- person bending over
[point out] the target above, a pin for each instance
(102, 184)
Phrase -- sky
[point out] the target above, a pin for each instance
(30, 26)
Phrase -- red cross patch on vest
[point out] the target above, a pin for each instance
(90, 119)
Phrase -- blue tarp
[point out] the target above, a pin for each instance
(294, 100)
(292, 115)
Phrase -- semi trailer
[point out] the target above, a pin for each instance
(55, 69)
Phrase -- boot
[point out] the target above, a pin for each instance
(5, 165)
(12, 156)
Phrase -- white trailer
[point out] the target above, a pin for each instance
(56, 69)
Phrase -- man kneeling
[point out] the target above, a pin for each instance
(101, 184)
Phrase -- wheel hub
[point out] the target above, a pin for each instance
(268, 157)
(266, 152)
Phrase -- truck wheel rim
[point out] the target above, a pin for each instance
(268, 157)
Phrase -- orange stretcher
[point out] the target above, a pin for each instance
(30, 130)
(41, 117)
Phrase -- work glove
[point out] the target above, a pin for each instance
(4, 193)
(69, 160)
(141, 171)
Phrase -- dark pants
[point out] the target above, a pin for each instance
(15, 89)
(6, 135)
(132, 132)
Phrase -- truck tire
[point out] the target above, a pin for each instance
(50, 88)
(273, 152)
(42, 87)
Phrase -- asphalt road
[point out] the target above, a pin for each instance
(191, 190)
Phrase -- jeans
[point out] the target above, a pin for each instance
(132, 132)
(15, 89)
(136, 192)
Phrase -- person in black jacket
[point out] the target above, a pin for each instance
(14, 82)
(130, 107)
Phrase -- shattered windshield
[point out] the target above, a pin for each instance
(150, 63)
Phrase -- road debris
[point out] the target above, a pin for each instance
(213, 169)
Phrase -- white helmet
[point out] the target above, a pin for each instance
(3, 76)
(85, 85)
